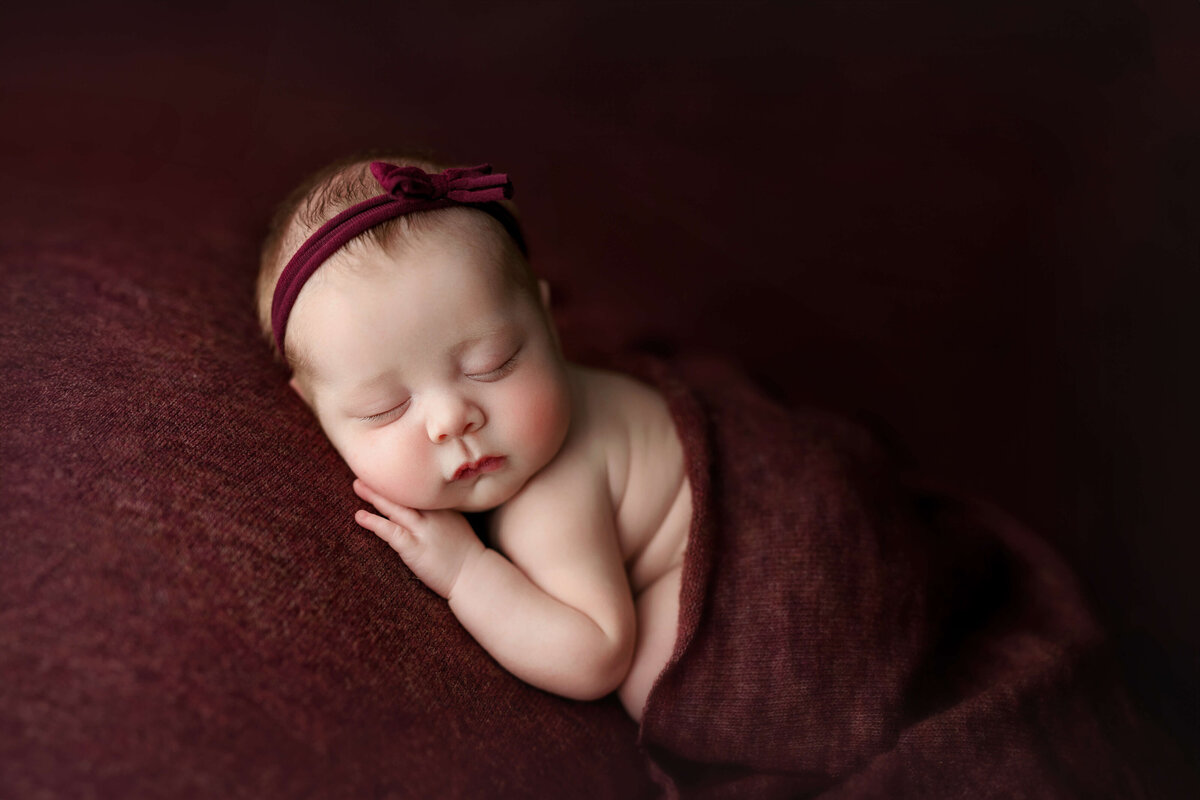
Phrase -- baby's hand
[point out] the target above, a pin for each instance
(434, 544)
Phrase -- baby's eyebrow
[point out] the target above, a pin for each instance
(349, 394)
(368, 385)
(493, 332)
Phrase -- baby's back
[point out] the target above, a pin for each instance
(651, 496)
(652, 509)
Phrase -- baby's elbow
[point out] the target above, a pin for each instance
(597, 684)
(600, 674)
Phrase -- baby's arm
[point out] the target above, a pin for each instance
(559, 614)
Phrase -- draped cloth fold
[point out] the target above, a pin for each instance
(848, 629)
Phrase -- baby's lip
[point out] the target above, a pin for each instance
(473, 468)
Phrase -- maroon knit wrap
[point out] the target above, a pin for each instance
(406, 190)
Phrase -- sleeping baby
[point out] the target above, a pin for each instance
(781, 602)
(400, 297)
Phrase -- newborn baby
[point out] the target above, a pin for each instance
(401, 299)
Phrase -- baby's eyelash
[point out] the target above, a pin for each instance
(497, 373)
(391, 413)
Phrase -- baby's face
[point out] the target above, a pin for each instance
(441, 385)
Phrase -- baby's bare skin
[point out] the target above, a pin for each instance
(445, 390)
(623, 438)
(652, 502)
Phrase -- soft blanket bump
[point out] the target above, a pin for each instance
(849, 630)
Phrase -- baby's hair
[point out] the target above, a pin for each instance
(332, 189)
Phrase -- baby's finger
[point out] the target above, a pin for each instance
(385, 529)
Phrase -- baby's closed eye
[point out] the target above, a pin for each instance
(393, 413)
(497, 372)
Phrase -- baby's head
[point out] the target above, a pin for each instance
(423, 344)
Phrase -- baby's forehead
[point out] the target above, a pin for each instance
(456, 261)
(476, 238)
(439, 305)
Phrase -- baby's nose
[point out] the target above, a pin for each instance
(453, 418)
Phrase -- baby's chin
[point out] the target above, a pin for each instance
(476, 505)
(477, 508)
(480, 500)
(489, 497)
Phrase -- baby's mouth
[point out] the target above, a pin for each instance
(471, 469)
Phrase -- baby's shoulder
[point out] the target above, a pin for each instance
(629, 425)
(615, 404)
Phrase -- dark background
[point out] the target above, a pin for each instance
(974, 222)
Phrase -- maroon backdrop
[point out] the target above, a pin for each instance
(975, 222)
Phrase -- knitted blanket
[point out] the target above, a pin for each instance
(848, 629)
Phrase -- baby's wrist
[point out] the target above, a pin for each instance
(474, 555)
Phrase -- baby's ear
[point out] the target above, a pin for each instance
(298, 389)
(544, 291)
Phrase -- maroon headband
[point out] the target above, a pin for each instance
(407, 189)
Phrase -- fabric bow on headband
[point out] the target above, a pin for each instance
(460, 184)
(407, 190)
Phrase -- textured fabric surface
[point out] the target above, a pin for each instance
(849, 629)
(976, 222)
(187, 608)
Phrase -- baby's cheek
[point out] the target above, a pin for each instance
(409, 486)
(396, 471)
(541, 412)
